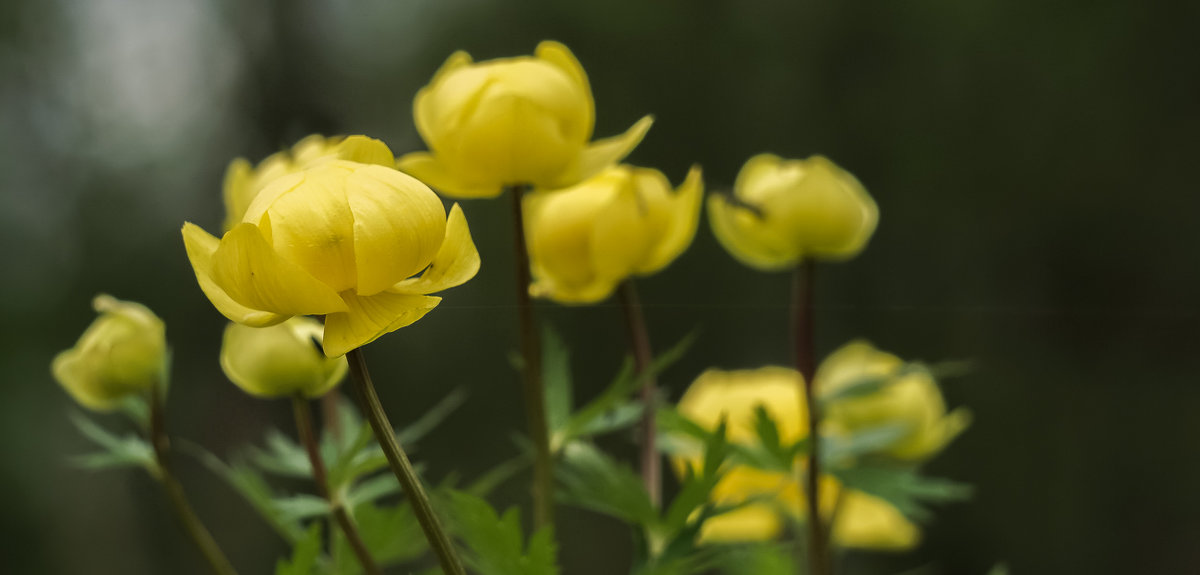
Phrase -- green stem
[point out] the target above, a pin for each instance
(533, 388)
(308, 436)
(385, 434)
(802, 326)
(175, 494)
(639, 341)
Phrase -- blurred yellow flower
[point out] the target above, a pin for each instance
(524, 120)
(587, 239)
(343, 239)
(123, 352)
(280, 360)
(863, 521)
(784, 210)
(909, 397)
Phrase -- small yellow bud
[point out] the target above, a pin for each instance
(785, 210)
(909, 397)
(123, 352)
(524, 120)
(280, 360)
(585, 240)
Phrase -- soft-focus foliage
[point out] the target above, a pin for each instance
(123, 352)
(784, 210)
(280, 360)
(584, 240)
(512, 121)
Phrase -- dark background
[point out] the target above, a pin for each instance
(1032, 163)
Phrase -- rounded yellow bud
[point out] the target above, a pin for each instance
(512, 121)
(280, 360)
(344, 239)
(585, 240)
(123, 352)
(908, 397)
(782, 211)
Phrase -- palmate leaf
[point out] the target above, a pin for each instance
(903, 487)
(127, 451)
(592, 480)
(757, 559)
(306, 555)
(252, 486)
(494, 543)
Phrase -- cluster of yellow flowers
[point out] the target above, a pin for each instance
(341, 230)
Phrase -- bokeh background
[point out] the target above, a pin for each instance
(1033, 162)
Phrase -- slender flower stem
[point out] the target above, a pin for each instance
(534, 390)
(386, 436)
(802, 329)
(639, 341)
(331, 418)
(183, 510)
(308, 436)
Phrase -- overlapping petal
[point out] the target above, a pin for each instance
(200, 247)
(368, 317)
(456, 261)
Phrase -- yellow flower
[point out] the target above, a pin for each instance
(863, 521)
(123, 352)
(280, 360)
(910, 397)
(785, 210)
(585, 240)
(342, 239)
(525, 120)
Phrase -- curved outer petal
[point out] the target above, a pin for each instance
(238, 190)
(603, 153)
(745, 236)
(426, 167)
(559, 231)
(561, 57)
(749, 183)
(620, 236)
(456, 262)
(280, 360)
(399, 225)
(364, 150)
(369, 317)
(312, 225)
(424, 113)
(753, 522)
(200, 247)
(867, 522)
(685, 217)
(246, 268)
(70, 371)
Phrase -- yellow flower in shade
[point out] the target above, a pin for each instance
(585, 240)
(123, 352)
(909, 397)
(863, 521)
(280, 360)
(524, 120)
(784, 210)
(344, 239)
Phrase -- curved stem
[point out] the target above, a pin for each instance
(802, 326)
(386, 436)
(533, 388)
(639, 341)
(308, 436)
(183, 509)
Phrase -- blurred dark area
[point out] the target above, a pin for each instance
(1031, 161)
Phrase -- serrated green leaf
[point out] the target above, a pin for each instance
(494, 543)
(372, 489)
(251, 486)
(493, 477)
(903, 487)
(391, 533)
(127, 451)
(301, 506)
(858, 387)
(835, 449)
(592, 480)
(556, 377)
(282, 456)
(305, 554)
(432, 417)
(759, 559)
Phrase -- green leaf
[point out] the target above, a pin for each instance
(903, 487)
(302, 506)
(305, 554)
(556, 377)
(391, 533)
(372, 489)
(282, 456)
(433, 416)
(836, 449)
(858, 387)
(128, 451)
(251, 486)
(494, 542)
(492, 478)
(592, 480)
(759, 559)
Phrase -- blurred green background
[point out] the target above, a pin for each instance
(1032, 162)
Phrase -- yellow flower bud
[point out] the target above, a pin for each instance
(863, 521)
(343, 239)
(910, 397)
(585, 240)
(524, 120)
(280, 360)
(123, 352)
(785, 210)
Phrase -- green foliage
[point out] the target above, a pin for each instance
(495, 544)
(903, 487)
(305, 555)
(757, 559)
(116, 452)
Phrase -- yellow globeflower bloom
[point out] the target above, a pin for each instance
(123, 352)
(863, 521)
(585, 240)
(280, 360)
(524, 120)
(784, 210)
(343, 239)
(910, 397)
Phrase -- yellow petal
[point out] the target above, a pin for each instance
(238, 191)
(558, 228)
(246, 267)
(399, 225)
(200, 247)
(754, 172)
(748, 240)
(456, 262)
(608, 151)
(685, 217)
(280, 360)
(561, 57)
(365, 150)
(369, 317)
(867, 522)
(620, 239)
(754, 522)
(425, 167)
(313, 226)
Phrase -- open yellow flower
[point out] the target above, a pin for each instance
(784, 210)
(587, 239)
(344, 239)
(863, 521)
(280, 360)
(524, 120)
(123, 352)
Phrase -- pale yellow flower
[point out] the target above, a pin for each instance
(280, 360)
(585, 240)
(512, 121)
